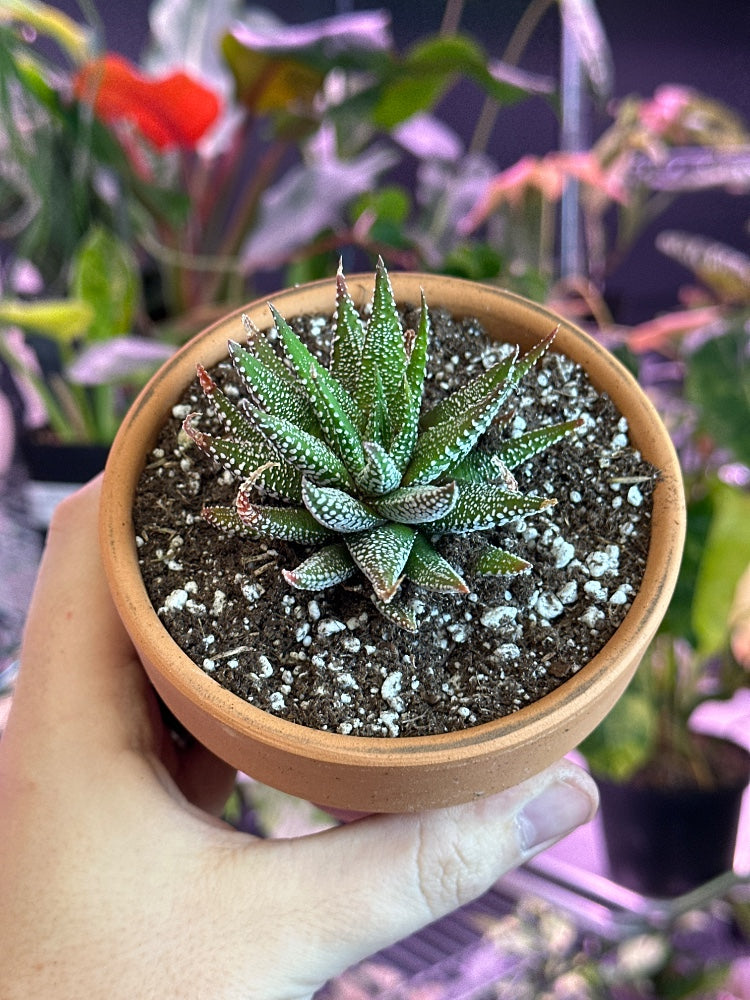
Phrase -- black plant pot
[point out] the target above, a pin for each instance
(49, 462)
(54, 470)
(663, 842)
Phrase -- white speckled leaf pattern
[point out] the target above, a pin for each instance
(353, 463)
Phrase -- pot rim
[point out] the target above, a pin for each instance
(611, 668)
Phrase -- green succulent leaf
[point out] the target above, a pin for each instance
(381, 554)
(417, 504)
(427, 568)
(227, 519)
(380, 473)
(348, 338)
(494, 561)
(234, 420)
(259, 345)
(481, 506)
(307, 453)
(520, 449)
(324, 568)
(309, 370)
(483, 467)
(527, 361)
(451, 408)
(289, 524)
(447, 443)
(338, 510)
(397, 612)
(271, 391)
(250, 458)
(384, 361)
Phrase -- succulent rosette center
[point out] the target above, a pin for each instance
(347, 461)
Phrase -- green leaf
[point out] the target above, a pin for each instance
(62, 319)
(417, 504)
(428, 568)
(383, 359)
(397, 612)
(270, 390)
(348, 338)
(527, 361)
(483, 467)
(416, 343)
(74, 38)
(289, 524)
(485, 505)
(626, 739)
(381, 554)
(227, 519)
(324, 568)
(428, 70)
(718, 385)
(318, 383)
(520, 449)
(494, 561)
(380, 473)
(725, 558)
(105, 274)
(250, 458)
(268, 84)
(258, 344)
(338, 510)
(474, 392)
(234, 420)
(447, 443)
(475, 261)
(678, 620)
(300, 449)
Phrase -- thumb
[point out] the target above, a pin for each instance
(380, 879)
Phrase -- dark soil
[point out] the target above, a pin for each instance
(329, 660)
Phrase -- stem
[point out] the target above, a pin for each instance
(244, 217)
(514, 50)
(451, 17)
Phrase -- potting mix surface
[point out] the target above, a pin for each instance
(328, 659)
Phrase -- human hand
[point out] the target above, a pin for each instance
(118, 881)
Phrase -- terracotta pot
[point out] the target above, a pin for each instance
(373, 774)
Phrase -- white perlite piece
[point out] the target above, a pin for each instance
(568, 593)
(602, 561)
(329, 626)
(276, 702)
(635, 497)
(252, 592)
(548, 606)
(391, 691)
(562, 552)
(499, 616)
(390, 721)
(592, 616)
(175, 601)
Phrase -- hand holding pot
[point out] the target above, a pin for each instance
(118, 880)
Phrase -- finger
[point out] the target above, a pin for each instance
(380, 879)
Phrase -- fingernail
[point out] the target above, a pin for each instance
(556, 811)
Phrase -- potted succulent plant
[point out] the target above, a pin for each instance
(348, 464)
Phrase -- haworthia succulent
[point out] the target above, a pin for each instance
(359, 471)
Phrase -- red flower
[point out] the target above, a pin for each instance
(173, 111)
